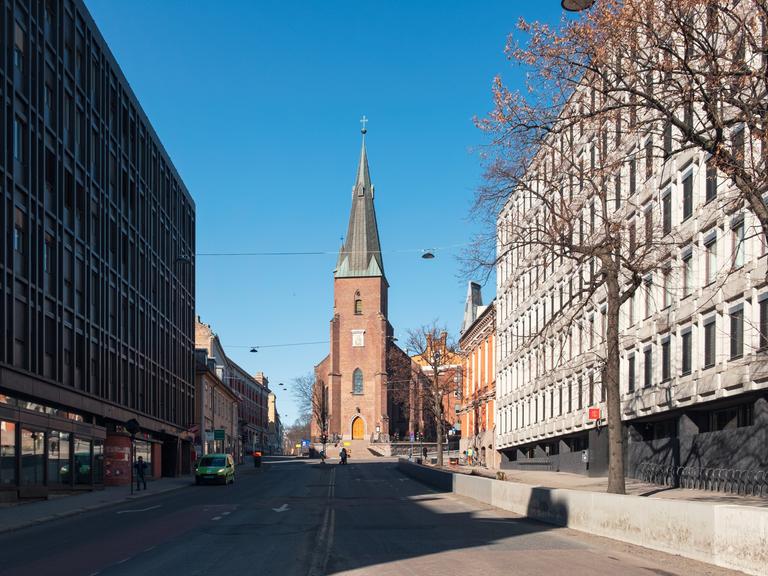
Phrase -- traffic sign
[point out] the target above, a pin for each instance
(413, 436)
(594, 413)
(219, 434)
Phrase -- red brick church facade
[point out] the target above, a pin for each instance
(352, 380)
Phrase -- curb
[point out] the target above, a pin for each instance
(81, 510)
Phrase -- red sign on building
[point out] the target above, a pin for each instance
(594, 413)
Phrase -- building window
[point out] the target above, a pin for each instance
(709, 343)
(18, 232)
(711, 181)
(358, 338)
(737, 147)
(764, 324)
(617, 191)
(647, 367)
(648, 158)
(18, 52)
(666, 281)
(580, 394)
(737, 333)
(632, 238)
(7, 453)
(666, 209)
(649, 225)
(731, 418)
(687, 196)
(737, 235)
(648, 286)
(18, 141)
(667, 139)
(687, 272)
(687, 351)
(710, 259)
(358, 304)
(357, 381)
(631, 373)
(666, 360)
(632, 176)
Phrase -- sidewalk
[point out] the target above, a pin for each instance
(600, 484)
(22, 514)
(16, 515)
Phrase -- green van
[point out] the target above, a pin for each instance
(215, 468)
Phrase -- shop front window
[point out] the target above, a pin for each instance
(7, 452)
(32, 456)
(59, 466)
(98, 462)
(144, 449)
(82, 461)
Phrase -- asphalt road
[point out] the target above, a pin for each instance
(305, 519)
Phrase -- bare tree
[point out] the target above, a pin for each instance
(297, 431)
(433, 370)
(615, 101)
(312, 397)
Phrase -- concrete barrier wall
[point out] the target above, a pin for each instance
(440, 479)
(728, 536)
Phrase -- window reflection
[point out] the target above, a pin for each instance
(82, 461)
(32, 456)
(7, 452)
(59, 466)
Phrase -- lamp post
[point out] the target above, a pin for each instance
(133, 428)
(438, 399)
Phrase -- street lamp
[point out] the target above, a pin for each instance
(133, 428)
(576, 5)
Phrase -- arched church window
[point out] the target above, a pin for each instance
(357, 381)
(358, 303)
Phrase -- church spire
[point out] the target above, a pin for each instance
(361, 253)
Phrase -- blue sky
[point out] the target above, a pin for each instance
(258, 104)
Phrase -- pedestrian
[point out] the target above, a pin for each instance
(141, 477)
(424, 453)
(343, 455)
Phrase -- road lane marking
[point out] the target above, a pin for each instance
(226, 513)
(139, 510)
(124, 560)
(150, 548)
(216, 518)
(283, 508)
(323, 543)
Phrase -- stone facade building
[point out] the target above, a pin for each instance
(218, 408)
(476, 406)
(693, 339)
(252, 391)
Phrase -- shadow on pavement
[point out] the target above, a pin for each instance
(383, 517)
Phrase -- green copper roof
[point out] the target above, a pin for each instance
(361, 253)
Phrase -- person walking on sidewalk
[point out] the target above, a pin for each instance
(424, 453)
(141, 478)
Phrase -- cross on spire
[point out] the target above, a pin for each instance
(364, 121)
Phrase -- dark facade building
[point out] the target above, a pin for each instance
(96, 264)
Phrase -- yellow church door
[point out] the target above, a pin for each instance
(357, 429)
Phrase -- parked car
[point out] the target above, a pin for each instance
(215, 468)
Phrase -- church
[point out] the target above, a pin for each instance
(353, 401)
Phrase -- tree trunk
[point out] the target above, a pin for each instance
(610, 377)
(439, 428)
